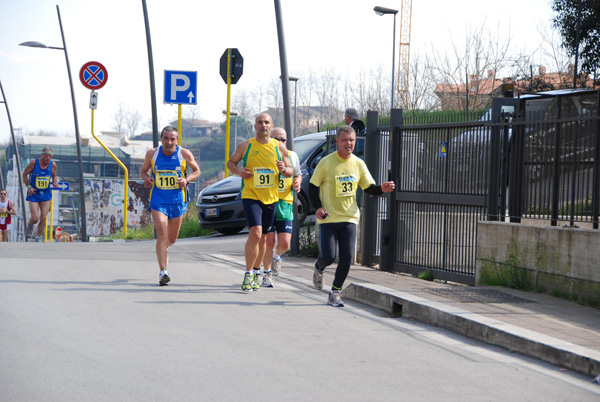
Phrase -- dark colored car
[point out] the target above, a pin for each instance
(468, 152)
(577, 134)
(219, 205)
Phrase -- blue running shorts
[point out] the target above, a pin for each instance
(283, 227)
(259, 214)
(170, 210)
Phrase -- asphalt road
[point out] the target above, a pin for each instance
(88, 322)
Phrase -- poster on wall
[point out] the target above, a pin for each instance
(104, 206)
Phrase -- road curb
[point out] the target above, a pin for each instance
(476, 326)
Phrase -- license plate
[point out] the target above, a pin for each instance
(211, 212)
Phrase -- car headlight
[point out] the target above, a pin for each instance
(199, 199)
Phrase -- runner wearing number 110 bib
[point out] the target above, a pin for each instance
(165, 172)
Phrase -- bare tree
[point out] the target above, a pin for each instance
(421, 86)
(132, 122)
(275, 100)
(120, 117)
(243, 104)
(259, 97)
(464, 74)
(326, 91)
(556, 55)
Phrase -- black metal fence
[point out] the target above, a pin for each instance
(555, 162)
(534, 158)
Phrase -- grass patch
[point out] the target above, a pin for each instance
(507, 274)
(190, 227)
(426, 275)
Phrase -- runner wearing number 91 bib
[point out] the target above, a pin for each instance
(165, 172)
(263, 159)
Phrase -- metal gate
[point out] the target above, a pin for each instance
(451, 175)
(441, 193)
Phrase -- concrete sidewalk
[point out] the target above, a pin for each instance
(558, 331)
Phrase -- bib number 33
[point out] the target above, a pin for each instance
(345, 186)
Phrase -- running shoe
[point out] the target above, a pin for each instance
(38, 239)
(29, 231)
(163, 278)
(254, 284)
(247, 284)
(276, 266)
(318, 278)
(335, 298)
(267, 281)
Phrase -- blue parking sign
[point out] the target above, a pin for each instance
(181, 87)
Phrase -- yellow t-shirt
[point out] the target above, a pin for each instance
(262, 159)
(338, 180)
(285, 183)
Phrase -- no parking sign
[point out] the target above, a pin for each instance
(93, 75)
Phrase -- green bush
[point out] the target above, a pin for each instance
(308, 246)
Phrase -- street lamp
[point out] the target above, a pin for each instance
(77, 138)
(382, 11)
(18, 158)
(295, 80)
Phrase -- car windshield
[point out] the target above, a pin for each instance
(304, 147)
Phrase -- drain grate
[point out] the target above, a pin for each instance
(467, 295)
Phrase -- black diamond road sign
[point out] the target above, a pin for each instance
(236, 65)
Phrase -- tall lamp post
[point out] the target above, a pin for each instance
(382, 11)
(18, 158)
(295, 80)
(77, 137)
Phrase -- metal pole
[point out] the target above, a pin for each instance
(284, 76)
(295, 107)
(577, 40)
(393, 63)
(12, 133)
(77, 138)
(152, 84)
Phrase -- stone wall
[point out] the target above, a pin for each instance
(559, 260)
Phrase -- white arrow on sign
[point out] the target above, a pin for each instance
(191, 97)
(62, 186)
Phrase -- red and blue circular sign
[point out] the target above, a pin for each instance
(93, 75)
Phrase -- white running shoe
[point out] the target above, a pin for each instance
(335, 298)
(276, 266)
(163, 278)
(267, 281)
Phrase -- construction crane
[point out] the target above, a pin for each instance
(404, 54)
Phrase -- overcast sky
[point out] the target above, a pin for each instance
(191, 35)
